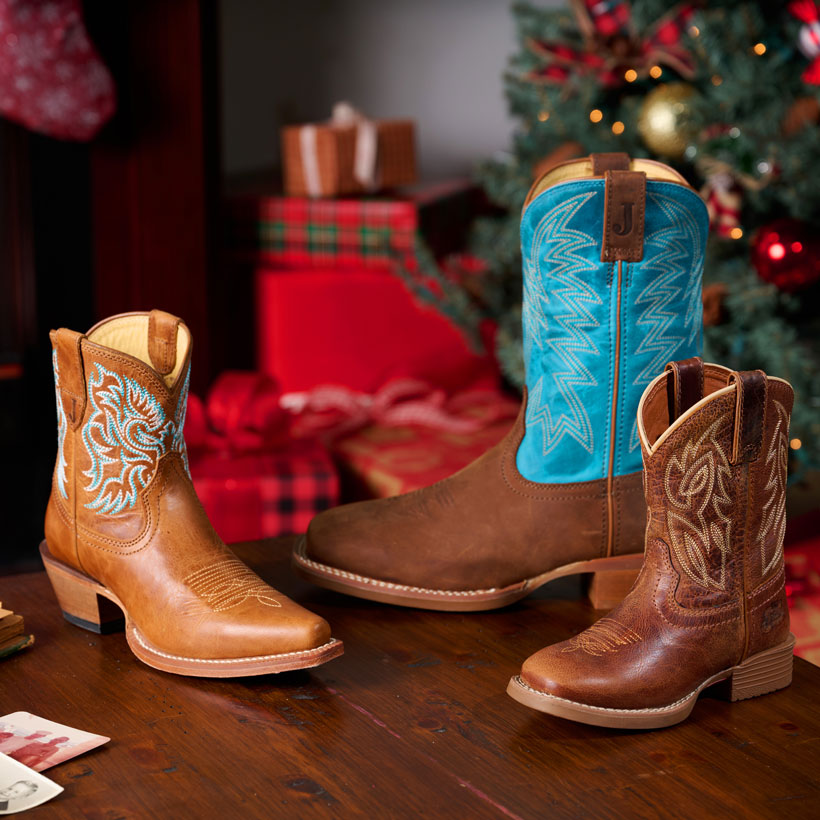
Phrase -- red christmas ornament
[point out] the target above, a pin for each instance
(787, 254)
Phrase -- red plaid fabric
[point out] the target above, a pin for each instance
(351, 232)
(261, 495)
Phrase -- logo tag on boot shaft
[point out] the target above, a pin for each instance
(624, 209)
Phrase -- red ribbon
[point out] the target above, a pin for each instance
(247, 411)
(333, 410)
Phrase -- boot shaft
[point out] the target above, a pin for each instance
(715, 446)
(121, 399)
(613, 264)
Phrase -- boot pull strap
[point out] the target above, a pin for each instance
(609, 161)
(162, 341)
(750, 412)
(71, 379)
(624, 209)
(685, 387)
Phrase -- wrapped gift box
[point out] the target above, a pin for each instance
(379, 461)
(267, 228)
(357, 328)
(347, 155)
(264, 494)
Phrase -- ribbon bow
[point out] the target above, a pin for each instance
(242, 413)
(611, 45)
(365, 155)
(808, 12)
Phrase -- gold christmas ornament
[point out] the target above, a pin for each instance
(663, 119)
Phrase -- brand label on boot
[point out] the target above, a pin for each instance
(624, 209)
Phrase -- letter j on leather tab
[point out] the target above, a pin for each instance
(624, 210)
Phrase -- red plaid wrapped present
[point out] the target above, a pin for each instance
(355, 232)
(261, 495)
(253, 479)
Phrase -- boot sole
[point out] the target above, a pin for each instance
(761, 674)
(448, 600)
(88, 604)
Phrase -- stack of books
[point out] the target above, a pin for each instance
(13, 635)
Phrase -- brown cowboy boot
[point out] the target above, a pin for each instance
(123, 522)
(613, 255)
(710, 603)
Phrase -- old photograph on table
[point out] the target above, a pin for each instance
(22, 788)
(39, 743)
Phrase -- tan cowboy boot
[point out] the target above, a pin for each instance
(613, 256)
(123, 522)
(710, 603)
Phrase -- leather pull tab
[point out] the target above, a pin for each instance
(685, 388)
(611, 161)
(750, 413)
(624, 209)
(71, 379)
(162, 341)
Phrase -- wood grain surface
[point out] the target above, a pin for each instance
(412, 721)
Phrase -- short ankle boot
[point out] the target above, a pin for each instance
(124, 524)
(709, 604)
(613, 257)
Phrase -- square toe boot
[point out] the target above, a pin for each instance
(709, 605)
(612, 254)
(126, 535)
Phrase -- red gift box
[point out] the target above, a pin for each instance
(358, 328)
(253, 479)
(380, 461)
(360, 232)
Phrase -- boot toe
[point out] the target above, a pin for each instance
(348, 538)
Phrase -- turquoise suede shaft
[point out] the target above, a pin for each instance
(572, 350)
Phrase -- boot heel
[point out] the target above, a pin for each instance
(763, 673)
(79, 598)
(608, 588)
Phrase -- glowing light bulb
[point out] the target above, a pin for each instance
(795, 444)
(736, 233)
(759, 48)
(596, 115)
(776, 251)
(617, 127)
(630, 75)
(655, 72)
(543, 116)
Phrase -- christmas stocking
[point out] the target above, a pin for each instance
(52, 79)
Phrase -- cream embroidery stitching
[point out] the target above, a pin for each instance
(229, 583)
(697, 522)
(604, 636)
(773, 522)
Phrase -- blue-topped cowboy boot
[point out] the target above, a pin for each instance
(613, 258)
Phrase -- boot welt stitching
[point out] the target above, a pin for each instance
(232, 660)
(652, 709)
(386, 584)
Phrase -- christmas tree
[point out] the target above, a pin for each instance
(726, 92)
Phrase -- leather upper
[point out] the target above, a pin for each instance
(597, 332)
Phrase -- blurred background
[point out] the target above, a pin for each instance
(328, 193)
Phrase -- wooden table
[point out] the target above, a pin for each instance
(412, 721)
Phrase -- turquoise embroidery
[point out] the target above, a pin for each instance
(670, 324)
(126, 434)
(62, 427)
(557, 266)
